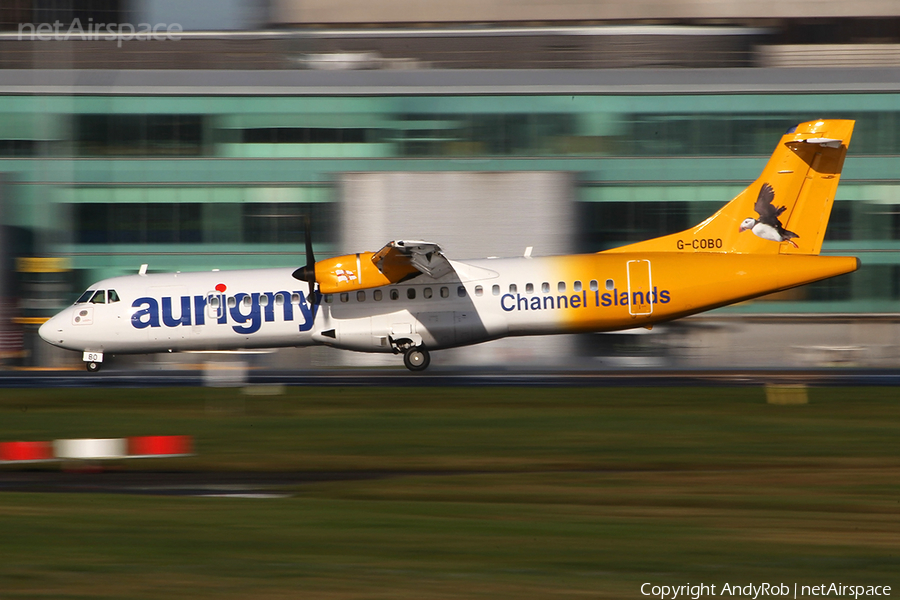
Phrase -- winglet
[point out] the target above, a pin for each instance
(803, 174)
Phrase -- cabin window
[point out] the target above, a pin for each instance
(113, 296)
(461, 291)
(445, 292)
(411, 293)
(609, 284)
(395, 294)
(360, 296)
(295, 298)
(561, 287)
(99, 297)
(328, 298)
(213, 301)
(576, 286)
(513, 288)
(279, 299)
(263, 300)
(594, 285)
(377, 295)
(545, 288)
(345, 297)
(427, 293)
(247, 301)
(529, 288)
(231, 302)
(495, 290)
(85, 297)
(479, 291)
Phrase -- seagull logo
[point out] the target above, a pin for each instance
(768, 226)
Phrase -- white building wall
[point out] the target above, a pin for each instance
(471, 215)
(554, 11)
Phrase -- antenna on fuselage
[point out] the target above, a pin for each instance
(308, 271)
(143, 269)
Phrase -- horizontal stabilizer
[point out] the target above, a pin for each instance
(823, 141)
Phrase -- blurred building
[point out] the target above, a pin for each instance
(204, 148)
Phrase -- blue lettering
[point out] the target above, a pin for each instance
(623, 298)
(560, 300)
(637, 297)
(269, 311)
(148, 315)
(254, 318)
(169, 320)
(199, 310)
(575, 301)
(664, 296)
(286, 303)
(503, 302)
(550, 299)
(535, 303)
(607, 299)
(520, 301)
(223, 310)
(308, 312)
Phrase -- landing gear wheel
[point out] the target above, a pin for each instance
(417, 358)
(92, 366)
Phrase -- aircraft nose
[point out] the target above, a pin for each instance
(51, 332)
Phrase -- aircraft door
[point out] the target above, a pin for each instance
(215, 305)
(640, 288)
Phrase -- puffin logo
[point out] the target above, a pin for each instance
(246, 312)
(768, 226)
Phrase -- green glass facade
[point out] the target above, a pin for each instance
(209, 181)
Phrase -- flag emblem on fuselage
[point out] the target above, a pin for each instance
(345, 275)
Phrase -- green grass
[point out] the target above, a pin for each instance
(509, 493)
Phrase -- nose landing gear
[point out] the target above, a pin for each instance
(93, 361)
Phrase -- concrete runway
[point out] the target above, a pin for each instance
(448, 378)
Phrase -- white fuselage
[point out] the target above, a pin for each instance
(268, 308)
(473, 302)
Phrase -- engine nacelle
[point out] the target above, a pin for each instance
(362, 271)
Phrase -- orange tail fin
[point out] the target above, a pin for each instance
(785, 211)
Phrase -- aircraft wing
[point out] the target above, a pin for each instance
(425, 257)
(397, 262)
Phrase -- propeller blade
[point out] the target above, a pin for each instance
(308, 271)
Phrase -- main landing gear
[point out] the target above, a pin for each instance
(92, 366)
(416, 358)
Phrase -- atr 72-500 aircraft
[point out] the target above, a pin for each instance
(409, 299)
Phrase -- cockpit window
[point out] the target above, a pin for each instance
(113, 296)
(99, 297)
(85, 297)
